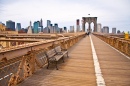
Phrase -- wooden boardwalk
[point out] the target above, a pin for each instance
(78, 69)
(115, 67)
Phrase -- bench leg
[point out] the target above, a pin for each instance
(56, 65)
(63, 58)
(48, 65)
(67, 54)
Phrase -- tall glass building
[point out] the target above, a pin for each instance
(18, 26)
(10, 25)
(41, 25)
(36, 27)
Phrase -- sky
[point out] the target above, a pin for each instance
(112, 13)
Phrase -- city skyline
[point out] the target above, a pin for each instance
(66, 12)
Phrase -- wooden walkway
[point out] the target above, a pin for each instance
(78, 69)
(114, 66)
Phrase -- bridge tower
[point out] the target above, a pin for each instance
(89, 20)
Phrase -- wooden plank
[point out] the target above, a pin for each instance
(115, 67)
(77, 70)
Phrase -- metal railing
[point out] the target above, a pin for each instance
(15, 70)
(121, 44)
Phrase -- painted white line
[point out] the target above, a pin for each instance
(116, 50)
(98, 73)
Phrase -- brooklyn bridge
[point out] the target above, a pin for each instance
(94, 60)
(66, 59)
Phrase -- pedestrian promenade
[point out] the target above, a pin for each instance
(114, 66)
(79, 68)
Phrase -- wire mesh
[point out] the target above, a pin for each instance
(6, 72)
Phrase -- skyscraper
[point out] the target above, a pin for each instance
(77, 25)
(114, 30)
(72, 29)
(48, 23)
(18, 26)
(51, 28)
(99, 26)
(48, 26)
(36, 26)
(41, 26)
(41, 23)
(57, 28)
(105, 29)
(10, 25)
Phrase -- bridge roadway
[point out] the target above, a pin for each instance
(79, 69)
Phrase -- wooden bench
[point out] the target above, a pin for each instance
(54, 55)
(61, 51)
(41, 59)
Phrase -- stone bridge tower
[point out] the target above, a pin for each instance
(89, 20)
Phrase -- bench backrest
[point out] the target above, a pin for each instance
(50, 53)
(41, 57)
(58, 49)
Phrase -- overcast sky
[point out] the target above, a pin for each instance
(112, 13)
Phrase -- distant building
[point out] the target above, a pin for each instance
(118, 31)
(46, 30)
(105, 29)
(101, 30)
(18, 26)
(10, 25)
(77, 25)
(48, 23)
(22, 30)
(48, 26)
(54, 29)
(30, 28)
(36, 27)
(61, 30)
(57, 28)
(41, 23)
(114, 30)
(99, 26)
(71, 29)
(128, 32)
(51, 28)
(65, 30)
(41, 26)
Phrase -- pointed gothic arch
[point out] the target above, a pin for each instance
(89, 20)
